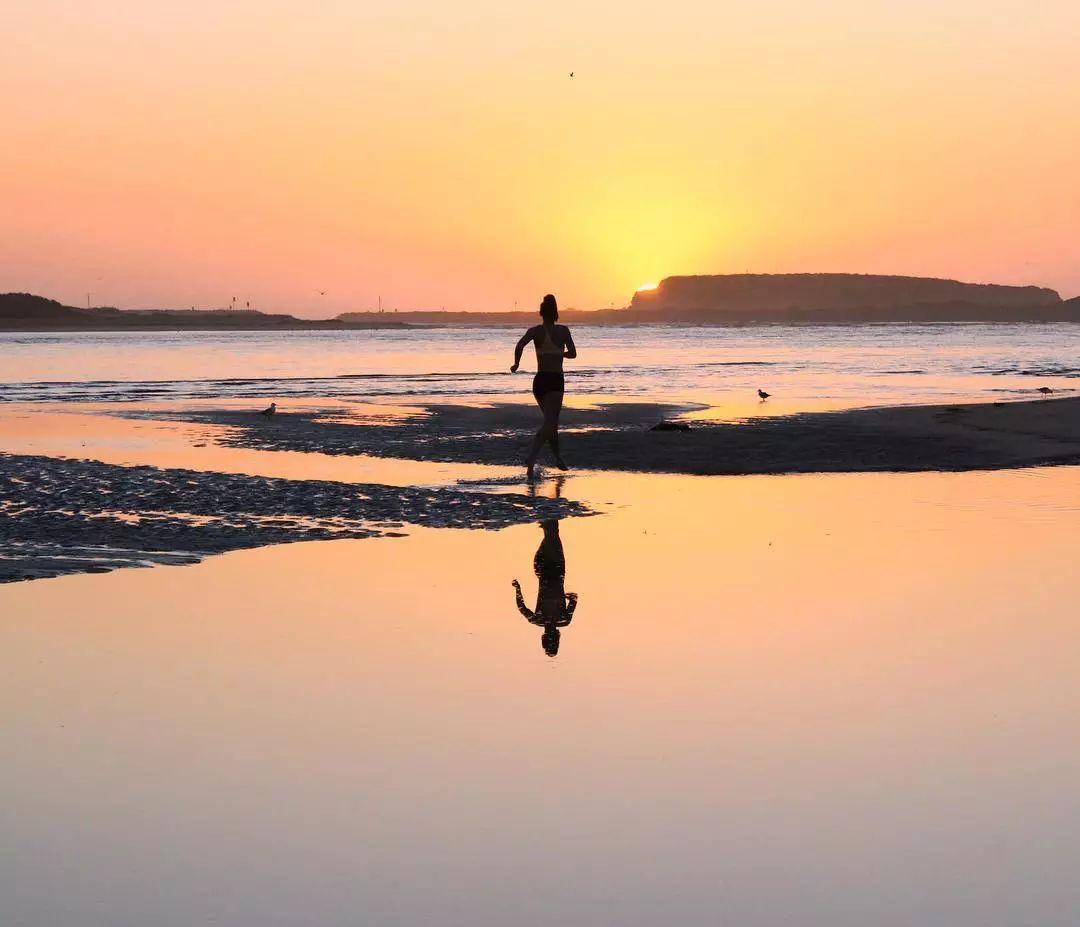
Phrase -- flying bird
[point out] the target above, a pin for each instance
(321, 292)
(269, 410)
(571, 74)
(1045, 390)
(763, 395)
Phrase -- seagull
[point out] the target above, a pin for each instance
(269, 410)
(763, 395)
(571, 74)
(1045, 390)
(321, 292)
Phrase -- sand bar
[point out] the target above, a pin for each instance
(975, 436)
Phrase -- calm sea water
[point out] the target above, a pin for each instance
(802, 367)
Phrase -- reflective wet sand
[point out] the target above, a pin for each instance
(132, 437)
(834, 700)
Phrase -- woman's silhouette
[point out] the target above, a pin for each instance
(554, 605)
(553, 343)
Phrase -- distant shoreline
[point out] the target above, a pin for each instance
(330, 326)
(723, 300)
(315, 325)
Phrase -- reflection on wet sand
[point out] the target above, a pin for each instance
(554, 605)
(875, 729)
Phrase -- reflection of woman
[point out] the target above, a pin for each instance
(554, 606)
(553, 343)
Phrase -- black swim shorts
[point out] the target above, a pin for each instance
(548, 381)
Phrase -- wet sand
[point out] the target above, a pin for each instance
(975, 436)
(62, 516)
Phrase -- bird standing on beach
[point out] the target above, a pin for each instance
(1045, 390)
(269, 410)
(762, 395)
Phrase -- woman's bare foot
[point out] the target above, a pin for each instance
(530, 473)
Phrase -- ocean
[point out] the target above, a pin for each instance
(804, 368)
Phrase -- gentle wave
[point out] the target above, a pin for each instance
(800, 367)
(1037, 369)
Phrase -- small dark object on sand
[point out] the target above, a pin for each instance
(1045, 390)
(269, 410)
(763, 395)
(671, 426)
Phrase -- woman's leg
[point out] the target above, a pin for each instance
(537, 441)
(553, 438)
(550, 404)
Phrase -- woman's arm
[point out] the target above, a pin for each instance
(524, 340)
(571, 604)
(571, 351)
(522, 607)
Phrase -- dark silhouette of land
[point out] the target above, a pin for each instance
(810, 298)
(26, 312)
(725, 299)
(798, 299)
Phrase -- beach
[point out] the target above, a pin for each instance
(622, 437)
(539, 465)
(73, 515)
(819, 665)
(165, 460)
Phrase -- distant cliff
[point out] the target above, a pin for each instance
(26, 312)
(793, 299)
(808, 298)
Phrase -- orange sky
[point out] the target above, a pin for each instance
(438, 154)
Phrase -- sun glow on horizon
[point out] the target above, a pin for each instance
(392, 150)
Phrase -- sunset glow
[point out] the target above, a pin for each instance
(583, 463)
(434, 155)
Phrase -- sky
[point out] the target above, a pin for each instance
(433, 154)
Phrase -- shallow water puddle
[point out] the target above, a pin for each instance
(817, 700)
